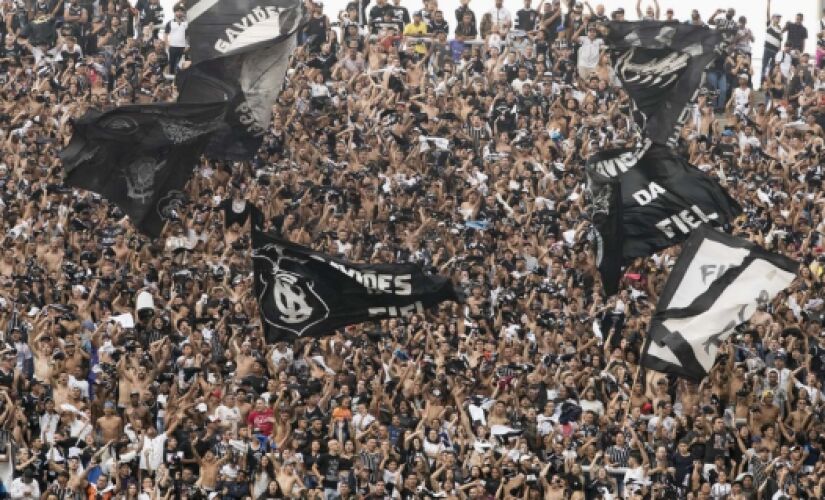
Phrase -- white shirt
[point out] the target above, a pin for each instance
(741, 97)
(176, 33)
(783, 59)
(277, 356)
(20, 490)
(667, 423)
(720, 491)
(814, 394)
(589, 51)
(79, 429)
(227, 414)
(362, 422)
(48, 424)
(518, 84)
(595, 406)
(151, 454)
(501, 17)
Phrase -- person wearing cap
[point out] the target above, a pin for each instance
(773, 41)
(741, 100)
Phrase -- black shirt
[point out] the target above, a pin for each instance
(527, 19)
(330, 467)
(797, 34)
(400, 13)
(377, 12)
(459, 14)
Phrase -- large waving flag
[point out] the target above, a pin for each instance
(718, 283)
(661, 66)
(140, 157)
(240, 52)
(646, 199)
(306, 293)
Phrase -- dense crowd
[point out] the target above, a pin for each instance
(451, 139)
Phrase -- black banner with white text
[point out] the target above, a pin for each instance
(663, 199)
(306, 293)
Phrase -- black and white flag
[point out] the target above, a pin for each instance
(662, 197)
(140, 157)
(306, 293)
(240, 52)
(661, 66)
(718, 283)
(221, 28)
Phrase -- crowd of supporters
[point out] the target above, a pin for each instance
(404, 133)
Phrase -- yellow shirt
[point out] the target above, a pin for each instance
(414, 30)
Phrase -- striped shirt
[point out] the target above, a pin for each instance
(773, 37)
(480, 134)
(618, 455)
(720, 491)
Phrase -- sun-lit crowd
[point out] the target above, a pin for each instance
(403, 133)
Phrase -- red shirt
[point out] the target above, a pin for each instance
(259, 420)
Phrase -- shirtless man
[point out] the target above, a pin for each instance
(139, 378)
(137, 411)
(42, 347)
(75, 359)
(121, 249)
(288, 479)
(8, 262)
(210, 465)
(800, 419)
(110, 424)
(82, 304)
(61, 389)
(53, 258)
(243, 357)
(764, 412)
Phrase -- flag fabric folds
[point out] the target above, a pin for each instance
(661, 66)
(240, 54)
(306, 293)
(249, 83)
(647, 199)
(140, 157)
(718, 283)
(217, 29)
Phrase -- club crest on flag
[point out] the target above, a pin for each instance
(140, 178)
(293, 304)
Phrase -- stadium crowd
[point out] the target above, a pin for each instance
(452, 139)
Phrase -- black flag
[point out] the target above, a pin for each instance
(140, 157)
(661, 66)
(663, 199)
(718, 283)
(240, 52)
(306, 293)
(239, 211)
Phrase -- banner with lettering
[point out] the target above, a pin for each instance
(306, 293)
(662, 199)
(661, 66)
(718, 282)
(240, 52)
